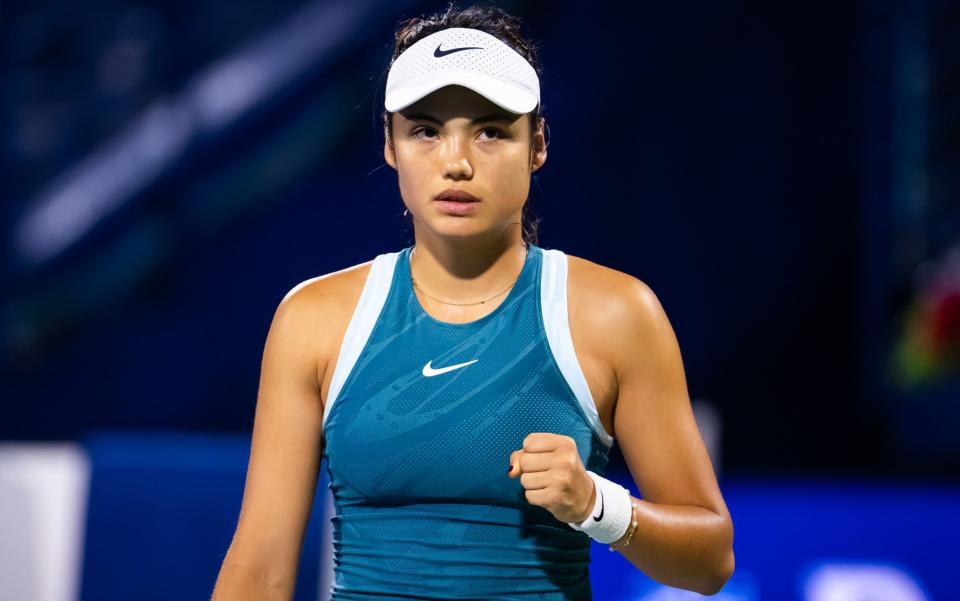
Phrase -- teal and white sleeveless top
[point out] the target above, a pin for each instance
(421, 418)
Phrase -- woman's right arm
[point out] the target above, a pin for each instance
(286, 447)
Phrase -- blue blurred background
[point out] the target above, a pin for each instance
(785, 176)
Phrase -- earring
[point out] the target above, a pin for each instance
(406, 212)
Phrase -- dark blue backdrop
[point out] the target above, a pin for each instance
(714, 151)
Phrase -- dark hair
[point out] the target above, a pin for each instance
(496, 22)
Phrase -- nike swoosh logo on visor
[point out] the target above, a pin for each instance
(430, 371)
(438, 53)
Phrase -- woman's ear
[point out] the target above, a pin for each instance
(538, 147)
(388, 155)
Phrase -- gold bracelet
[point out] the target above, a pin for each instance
(630, 530)
(634, 508)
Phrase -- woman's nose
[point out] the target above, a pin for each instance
(456, 158)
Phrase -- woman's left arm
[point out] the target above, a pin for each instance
(684, 536)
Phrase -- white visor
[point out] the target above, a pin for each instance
(467, 57)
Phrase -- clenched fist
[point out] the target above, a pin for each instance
(553, 476)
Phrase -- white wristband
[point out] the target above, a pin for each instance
(611, 511)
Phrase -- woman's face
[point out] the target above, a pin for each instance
(456, 139)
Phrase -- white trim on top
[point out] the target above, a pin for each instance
(553, 300)
(372, 299)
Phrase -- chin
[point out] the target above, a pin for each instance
(457, 227)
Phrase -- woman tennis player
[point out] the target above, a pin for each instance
(466, 390)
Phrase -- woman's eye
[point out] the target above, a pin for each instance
(494, 132)
(417, 132)
(423, 133)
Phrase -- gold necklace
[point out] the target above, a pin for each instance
(417, 286)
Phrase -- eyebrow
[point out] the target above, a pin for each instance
(483, 119)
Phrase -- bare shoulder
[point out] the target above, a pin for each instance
(319, 310)
(329, 292)
(611, 295)
(619, 310)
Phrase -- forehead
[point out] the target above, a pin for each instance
(454, 101)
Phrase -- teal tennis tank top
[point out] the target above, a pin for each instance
(421, 418)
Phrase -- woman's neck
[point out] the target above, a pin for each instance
(466, 269)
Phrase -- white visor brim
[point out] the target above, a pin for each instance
(511, 98)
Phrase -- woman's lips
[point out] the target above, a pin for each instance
(455, 194)
(457, 207)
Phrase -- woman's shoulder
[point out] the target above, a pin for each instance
(611, 301)
(334, 287)
(326, 301)
(602, 283)
(317, 310)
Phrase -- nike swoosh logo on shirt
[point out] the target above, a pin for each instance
(596, 518)
(438, 53)
(430, 371)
